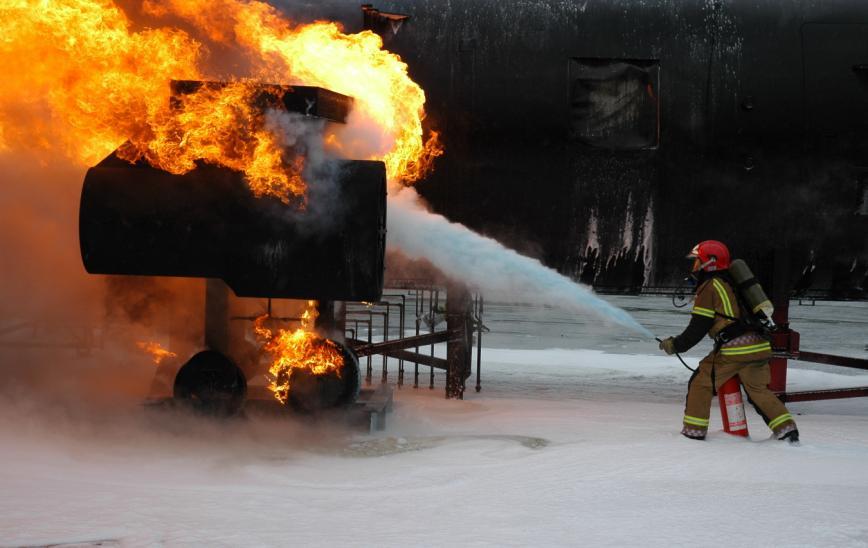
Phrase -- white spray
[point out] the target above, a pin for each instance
(483, 262)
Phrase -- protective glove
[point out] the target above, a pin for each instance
(668, 345)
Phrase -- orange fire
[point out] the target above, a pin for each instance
(220, 125)
(84, 76)
(298, 349)
(157, 352)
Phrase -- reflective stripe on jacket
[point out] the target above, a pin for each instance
(716, 299)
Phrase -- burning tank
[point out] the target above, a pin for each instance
(211, 222)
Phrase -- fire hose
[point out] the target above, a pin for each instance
(679, 357)
(731, 404)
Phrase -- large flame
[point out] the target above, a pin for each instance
(80, 77)
(76, 78)
(85, 77)
(298, 349)
(221, 125)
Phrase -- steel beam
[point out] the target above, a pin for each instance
(832, 394)
(842, 361)
(421, 359)
(365, 349)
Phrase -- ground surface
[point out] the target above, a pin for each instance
(573, 441)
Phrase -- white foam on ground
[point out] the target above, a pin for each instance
(563, 447)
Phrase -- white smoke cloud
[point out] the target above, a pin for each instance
(363, 138)
(304, 135)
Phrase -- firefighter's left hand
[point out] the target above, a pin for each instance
(668, 345)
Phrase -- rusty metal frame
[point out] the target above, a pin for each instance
(831, 394)
(463, 324)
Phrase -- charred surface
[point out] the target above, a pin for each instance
(761, 115)
(307, 100)
(135, 219)
(311, 392)
(211, 383)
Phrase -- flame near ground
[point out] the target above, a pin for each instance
(301, 348)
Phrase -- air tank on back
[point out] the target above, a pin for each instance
(750, 289)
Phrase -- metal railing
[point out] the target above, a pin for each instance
(407, 325)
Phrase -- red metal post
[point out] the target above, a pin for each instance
(785, 342)
(784, 339)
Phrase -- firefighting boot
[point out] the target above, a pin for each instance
(693, 433)
(791, 436)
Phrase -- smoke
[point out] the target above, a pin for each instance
(484, 263)
(304, 136)
(67, 338)
(363, 138)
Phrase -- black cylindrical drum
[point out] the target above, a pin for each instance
(311, 392)
(138, 220)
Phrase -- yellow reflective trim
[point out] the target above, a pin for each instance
(744, 353)
(744, 350)
(749, 346)
(780, 420)
(777, 421)
(699, 311)
(725, 296)
(739, 350)
(721, 291)
(695, 421)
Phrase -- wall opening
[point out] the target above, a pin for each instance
(614, 103)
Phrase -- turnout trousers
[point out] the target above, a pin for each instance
(714, 370)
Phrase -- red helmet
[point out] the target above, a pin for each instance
(710, 255)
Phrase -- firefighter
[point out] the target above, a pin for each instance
(739, 349)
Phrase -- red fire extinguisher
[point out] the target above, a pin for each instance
(732, 407)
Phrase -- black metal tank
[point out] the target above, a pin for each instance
(138, 220)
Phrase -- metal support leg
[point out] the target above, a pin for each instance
(458, 319)
(433, 301)
(385, 375)
(217, 315)
(420, 301)
(479, 305)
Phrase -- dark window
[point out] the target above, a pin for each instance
(614, 103)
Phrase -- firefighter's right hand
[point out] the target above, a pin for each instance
(668, 345)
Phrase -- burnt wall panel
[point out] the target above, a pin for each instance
(739, 157)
